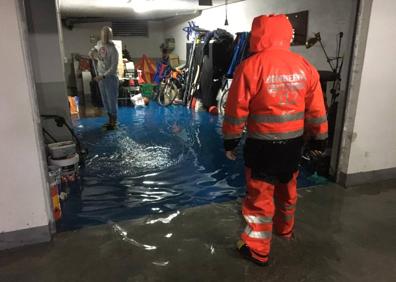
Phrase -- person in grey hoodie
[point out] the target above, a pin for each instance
(107, 55)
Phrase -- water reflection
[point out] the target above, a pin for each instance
(165, 220)
(124, 236)
(161, 263)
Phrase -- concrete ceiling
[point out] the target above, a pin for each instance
(133, 9)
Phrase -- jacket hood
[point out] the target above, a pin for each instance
(273, 31)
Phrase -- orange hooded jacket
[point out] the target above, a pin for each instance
(275, 92)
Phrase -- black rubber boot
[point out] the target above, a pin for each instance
(247, 253)
(112, 123)
(107, 124)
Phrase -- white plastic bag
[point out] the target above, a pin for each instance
(138, 101)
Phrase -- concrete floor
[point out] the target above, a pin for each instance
(342, 235)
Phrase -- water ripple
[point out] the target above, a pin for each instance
(159, 161)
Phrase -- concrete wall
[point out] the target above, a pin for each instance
(77, 39)
(369, 140)
(45, 50)
(24, 206)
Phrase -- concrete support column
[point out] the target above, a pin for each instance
(24, 199)
(47, 60)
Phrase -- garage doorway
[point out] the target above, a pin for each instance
(162, 159)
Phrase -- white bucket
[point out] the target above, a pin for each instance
(62, 150)
(69, 173)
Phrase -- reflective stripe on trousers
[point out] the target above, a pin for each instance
(257, 234)
(257, 219)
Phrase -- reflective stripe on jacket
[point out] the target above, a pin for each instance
(275, 92)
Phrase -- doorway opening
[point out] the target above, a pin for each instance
(165, 156)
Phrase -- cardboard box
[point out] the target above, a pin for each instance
(174, 60)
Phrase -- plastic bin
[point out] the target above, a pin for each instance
(147, 90)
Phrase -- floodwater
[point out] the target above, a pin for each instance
(159, 160)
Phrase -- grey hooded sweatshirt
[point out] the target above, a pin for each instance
(107, 58)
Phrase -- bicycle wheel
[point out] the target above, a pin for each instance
(168, 94)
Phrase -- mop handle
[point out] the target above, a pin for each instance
(94, 67)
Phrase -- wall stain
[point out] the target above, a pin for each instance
(353, 137)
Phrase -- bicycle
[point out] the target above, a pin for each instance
(171, 87)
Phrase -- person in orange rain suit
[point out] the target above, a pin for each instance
(276, 94)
